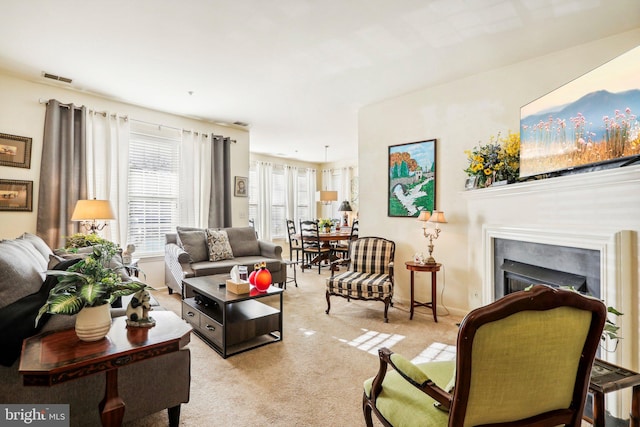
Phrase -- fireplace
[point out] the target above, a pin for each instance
(518, 264)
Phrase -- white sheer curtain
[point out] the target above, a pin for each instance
(108, 168)
(326, 211)
(195, 179)
(312, 188)
(346, 174)
(291, 195)
(265, 172)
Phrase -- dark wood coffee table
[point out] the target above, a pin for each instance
(228, 322)
(56, 357)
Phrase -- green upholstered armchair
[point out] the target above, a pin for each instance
(524, 360)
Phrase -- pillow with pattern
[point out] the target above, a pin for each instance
(219, 247)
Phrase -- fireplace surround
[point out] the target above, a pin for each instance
(518, 264)
(608, 249)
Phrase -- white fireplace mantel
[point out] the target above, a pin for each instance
(599, 179)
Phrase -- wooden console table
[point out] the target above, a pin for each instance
(56, 357)
(433, 269)
(607, 377)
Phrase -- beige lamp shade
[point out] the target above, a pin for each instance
(424, 216)
(437, 217)
(91, 210)
(327, 196)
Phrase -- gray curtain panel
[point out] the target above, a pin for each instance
(63, 178)
(220, 201)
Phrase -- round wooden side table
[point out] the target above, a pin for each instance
(433, 269)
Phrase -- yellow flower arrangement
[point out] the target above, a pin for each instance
(498, 160)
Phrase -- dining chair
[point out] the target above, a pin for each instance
(341, 249)
(313, 251)
(294, 243)
(524, 360)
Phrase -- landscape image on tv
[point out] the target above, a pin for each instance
(591, 120)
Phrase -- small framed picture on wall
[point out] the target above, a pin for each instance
(15, 151)
(16, 195)
(240, 187)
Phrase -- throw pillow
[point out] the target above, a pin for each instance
(22, 273)
(219, 247)
(245, 242)
(194, 242)
(37, 243)
(54, 260)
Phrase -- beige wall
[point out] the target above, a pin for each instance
(22, 114)
(460, 114)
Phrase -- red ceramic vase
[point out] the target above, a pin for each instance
(262, 280)
(252, 277)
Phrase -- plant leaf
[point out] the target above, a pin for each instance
(64, 304)
(614, 311)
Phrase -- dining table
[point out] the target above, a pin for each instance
(325, 239)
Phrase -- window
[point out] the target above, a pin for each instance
(279, 194)
(153, 186)
(253, 195)
(278, 205)
(303, 209)
(336, 184)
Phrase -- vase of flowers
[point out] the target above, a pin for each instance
(325, 224)
(92, 282)
(496, 161)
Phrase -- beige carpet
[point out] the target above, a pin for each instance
(314, 376)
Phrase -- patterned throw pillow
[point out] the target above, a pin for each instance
(219, 247)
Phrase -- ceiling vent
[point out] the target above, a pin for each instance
(243, 124)
(54, 77)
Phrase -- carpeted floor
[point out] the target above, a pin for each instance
(314, 376)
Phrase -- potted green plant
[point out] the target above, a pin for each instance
(81, 240)
(88, 288)
(325, 223)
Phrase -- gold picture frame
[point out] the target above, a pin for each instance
(15, 151)
(16, 195)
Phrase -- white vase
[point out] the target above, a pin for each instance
(93, 323)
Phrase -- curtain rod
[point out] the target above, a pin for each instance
(46, 101)
(104, 113)
(205, 134)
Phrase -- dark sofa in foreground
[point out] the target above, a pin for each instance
(147, 387)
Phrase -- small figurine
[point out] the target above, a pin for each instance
(127, 255)
(138, 310)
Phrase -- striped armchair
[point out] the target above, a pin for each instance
(369, 275)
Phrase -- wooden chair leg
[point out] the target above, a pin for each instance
(328, 303)
(387, 301)
(366, 409)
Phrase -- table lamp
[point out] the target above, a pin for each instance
(89, 212)
(437, 217)
(345, 207)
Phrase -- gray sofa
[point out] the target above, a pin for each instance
(187, 255)
(147, 387)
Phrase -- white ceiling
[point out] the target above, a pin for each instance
(296, 71)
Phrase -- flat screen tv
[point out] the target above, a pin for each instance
(592, 120)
